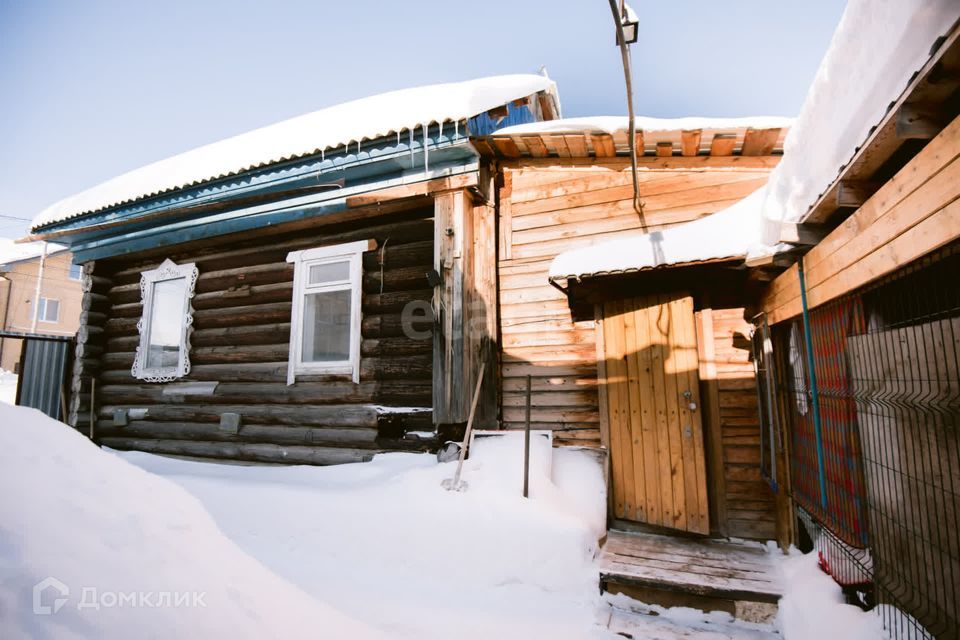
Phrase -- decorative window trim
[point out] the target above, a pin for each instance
(169, 270)
(351, 252)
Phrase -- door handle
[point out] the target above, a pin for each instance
(690, 403)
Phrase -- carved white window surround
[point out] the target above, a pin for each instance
(167, 322)
(325, 320)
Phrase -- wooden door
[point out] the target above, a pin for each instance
(650, 399)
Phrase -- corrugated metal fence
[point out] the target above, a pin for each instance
(44, 364)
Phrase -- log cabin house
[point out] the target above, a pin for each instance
(298, 293)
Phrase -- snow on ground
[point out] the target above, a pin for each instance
(813, 606)
(89, 523)
(377, 549)
(8, 387)
(383, 542)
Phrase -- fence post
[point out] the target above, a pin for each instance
(814, 394)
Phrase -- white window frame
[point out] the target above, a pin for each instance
(42, 310)
(351, 252)
(169, 270)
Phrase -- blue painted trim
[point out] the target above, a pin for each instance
(815, 395)
(177, 231)
(484, 125)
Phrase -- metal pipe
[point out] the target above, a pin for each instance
(814, 394)
(526, 447)
(628, 77)
(36, 295)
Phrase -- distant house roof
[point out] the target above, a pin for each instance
(343, 124)
(607, 136)
(11, 252)
(876, 52)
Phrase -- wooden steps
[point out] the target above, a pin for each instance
(711, 575)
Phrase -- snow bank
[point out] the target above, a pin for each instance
(8, 387)
(95, 524)
(733, 232)
(619, 124)
(813, 606)
(383, 541)
(329, 128)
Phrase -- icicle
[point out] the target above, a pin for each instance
(398, 138)
(426, 153)
(440, 135)
(456, 129)
(322, 156)
(412, 160)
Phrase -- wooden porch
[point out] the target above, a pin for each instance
(712, 575)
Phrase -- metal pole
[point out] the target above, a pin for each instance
(526, 447)
(814, 394)
(36, 295)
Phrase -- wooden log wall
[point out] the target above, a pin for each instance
(551, 206)
(242, 307)
(741, 500)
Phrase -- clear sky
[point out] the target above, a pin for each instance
(91, 89)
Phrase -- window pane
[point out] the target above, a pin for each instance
(329, 272)
(166, 323)
(74, 272)
(326, 326)
(52, 310)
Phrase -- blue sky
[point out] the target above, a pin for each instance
(92, 89)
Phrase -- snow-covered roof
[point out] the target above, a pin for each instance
(10, 251)
(731, 233)
(879, 45)
(616, 124)
(330, 128)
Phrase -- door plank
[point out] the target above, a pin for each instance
(635, 424)
(648, 416)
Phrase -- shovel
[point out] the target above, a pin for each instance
(455, 483)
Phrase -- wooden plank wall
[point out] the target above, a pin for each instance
(240, 340)
(912, 214)
(743, 502)
(551, 206)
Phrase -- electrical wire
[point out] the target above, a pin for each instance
(618, 14)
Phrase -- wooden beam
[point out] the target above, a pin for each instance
(759, 142)
(535, 146)
(664, 149)
(603, 146)
(853, 193)
(651, 162)
(639, 143)
(506, 147)
(802, 234)
(483, 147)
(723, 144)
(918, 122)
(577, 143)
(690, 142)
(413, 190)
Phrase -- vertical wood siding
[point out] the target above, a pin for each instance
(546, 209)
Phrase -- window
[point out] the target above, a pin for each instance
(166, 323)
(76, 272)
(325, 326)
(49, 310)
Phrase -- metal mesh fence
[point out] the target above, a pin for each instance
(875, 462)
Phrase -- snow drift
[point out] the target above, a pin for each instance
(104, 529)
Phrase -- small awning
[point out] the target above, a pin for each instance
(729, 234)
